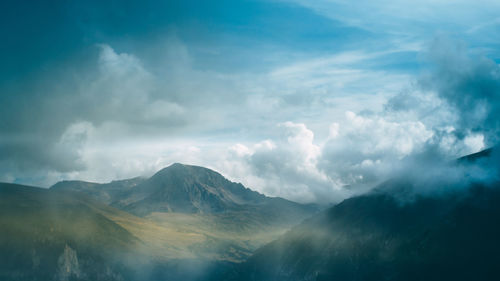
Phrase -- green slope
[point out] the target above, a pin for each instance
(65, 235)
(47, 236)
(189, 218)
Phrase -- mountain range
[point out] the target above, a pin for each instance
(148, 227)
(188, 190)
(190, 223)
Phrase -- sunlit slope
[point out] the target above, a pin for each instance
(73, 232)
(46, 236)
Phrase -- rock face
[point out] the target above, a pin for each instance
(69, 269)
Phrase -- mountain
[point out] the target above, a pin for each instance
(105, 193)
(65, 235)
(183, 223)
(188, 189)
(184, 189)
(228, 220)
(58, 236)
(378, 236)
(191, 197)
(190, 223)
(374, 237)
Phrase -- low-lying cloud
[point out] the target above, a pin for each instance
(127, 117)
(449, 112)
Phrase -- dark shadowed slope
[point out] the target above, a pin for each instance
(450, 236)
(374, 237)
(479, 155)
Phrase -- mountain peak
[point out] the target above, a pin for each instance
(175, 165)
(184, 168)
(180, 188)
(189, 189)
(179, 173)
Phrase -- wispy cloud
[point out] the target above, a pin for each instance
(310, 100)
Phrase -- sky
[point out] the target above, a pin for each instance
(313, 101)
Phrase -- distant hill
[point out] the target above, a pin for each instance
(188, 189)
(230, 220)
(376, 236)
(106, 193)
(191, 190)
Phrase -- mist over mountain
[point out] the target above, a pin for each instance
(106, 193)
(343, 140)
(62, 236)
(190, 223)
(393, 233)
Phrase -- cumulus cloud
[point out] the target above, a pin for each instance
(450, 111)
(304, 131)
(285, 167)
(365, 148)
(49, 135)
(454, 109)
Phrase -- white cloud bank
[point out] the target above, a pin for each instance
(264, 130)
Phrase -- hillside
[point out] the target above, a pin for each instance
(379, 236)
(185, 189)
(231, 219)
(106, 193)
(160, 228)
(47, 236)
(65, 235)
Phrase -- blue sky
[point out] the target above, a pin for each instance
(310, 100)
